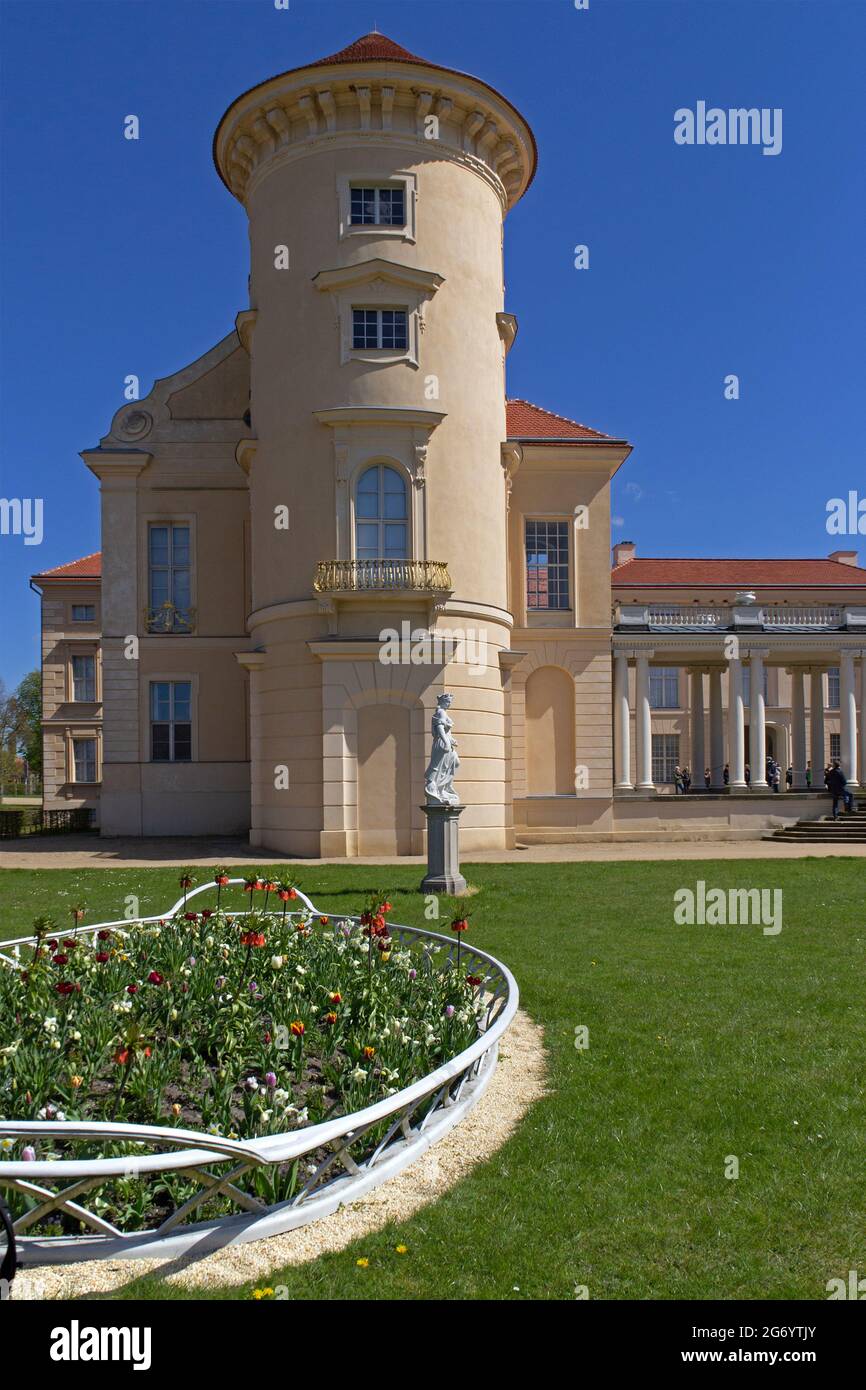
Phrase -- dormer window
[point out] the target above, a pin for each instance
(378, 207)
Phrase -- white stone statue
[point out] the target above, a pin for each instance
(444, 762)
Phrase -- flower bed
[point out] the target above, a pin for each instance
(240, 1030)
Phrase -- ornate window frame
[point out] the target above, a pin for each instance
(346, 182)
(379, 284)
(396, 435)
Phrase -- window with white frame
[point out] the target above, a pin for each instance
(375, 205)
(381, 515)
(83, 612)
(84, 759)
(666, 757)
(547, 571)
(378, 206)
(387, 329)
(169, 577)
(171, 721)
(84, 676)
(834, 698)
(664, 683)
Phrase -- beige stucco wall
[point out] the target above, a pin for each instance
(64, 718)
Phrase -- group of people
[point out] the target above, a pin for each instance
(834, 780)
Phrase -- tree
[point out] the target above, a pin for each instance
(28, 703)
(8, 735)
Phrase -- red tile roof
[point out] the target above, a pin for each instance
(371, 48)
(378, 48)
(736, 574)
(527, 421)
(89, 567)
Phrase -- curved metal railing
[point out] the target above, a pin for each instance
(414, 1118)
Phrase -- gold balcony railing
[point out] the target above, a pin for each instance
(168, 618)
(381, 576)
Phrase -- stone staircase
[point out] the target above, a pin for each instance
(847, 830)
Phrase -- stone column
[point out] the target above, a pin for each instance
(816, 727)
(717, 729)
(643, 724)
(696, 677)
(621, 721)
(848, 714)
(798, 728)
(736, 724)
(862, 730)
(757, 722)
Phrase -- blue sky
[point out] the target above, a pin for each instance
(122, 257)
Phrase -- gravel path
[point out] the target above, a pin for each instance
(519, 1081)
(90, 852)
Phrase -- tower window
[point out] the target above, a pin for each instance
(380, 328)
(381, 518)
(378, 207)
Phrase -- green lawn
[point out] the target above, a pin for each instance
(705, 1041)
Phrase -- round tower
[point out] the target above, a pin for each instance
(375, 184)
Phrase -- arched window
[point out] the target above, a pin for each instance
(381, 528)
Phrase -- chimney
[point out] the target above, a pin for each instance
(845, 557)
(623, 552)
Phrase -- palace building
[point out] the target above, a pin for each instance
(336, 514)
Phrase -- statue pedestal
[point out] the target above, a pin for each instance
(443, 856)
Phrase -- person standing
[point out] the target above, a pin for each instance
(748, 775)
(777, 777)
(687, 779)
(809, 776)
(679, 789)
(789, 778)
(837, 786)
(707, 778)
(726, 775)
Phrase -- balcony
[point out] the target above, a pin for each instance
(782, 618)
(167, 619)
(344, 577)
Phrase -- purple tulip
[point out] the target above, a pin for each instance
(413, 974)
(254, 989)
(449, 1010)
(270, 1079)
(28, 1153)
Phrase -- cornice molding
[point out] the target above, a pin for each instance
(368, 272)
(302, 112)
(401, 415)
(116, 463)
